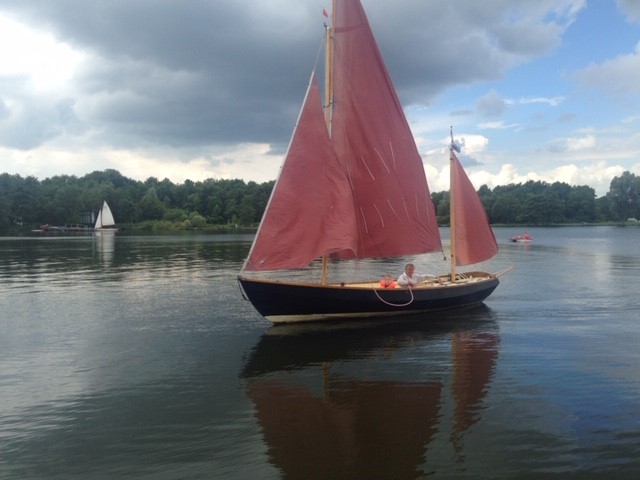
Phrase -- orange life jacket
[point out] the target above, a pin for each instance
(385, 284)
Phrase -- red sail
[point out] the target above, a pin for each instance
(375, 146)
(310, 213)
(474, 239)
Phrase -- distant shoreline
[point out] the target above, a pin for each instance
(165, 227)
(162, 226)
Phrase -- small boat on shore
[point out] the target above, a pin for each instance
(73, 228)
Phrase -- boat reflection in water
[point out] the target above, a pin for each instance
(346, 401)
(105, 247)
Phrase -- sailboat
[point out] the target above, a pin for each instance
(352, 186)
(105, 221)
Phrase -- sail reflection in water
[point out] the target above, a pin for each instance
(343, 402)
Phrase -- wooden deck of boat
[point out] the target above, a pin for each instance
(464, 278)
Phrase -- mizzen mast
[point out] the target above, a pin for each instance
(452, 219)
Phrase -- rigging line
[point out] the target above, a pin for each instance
(242, 291)
(375, 290)
(315, 63)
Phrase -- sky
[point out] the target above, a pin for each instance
(544, 90)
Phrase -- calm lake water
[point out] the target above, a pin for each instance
(136, 357)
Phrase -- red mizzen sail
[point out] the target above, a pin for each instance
(474, 239)
(310, 213)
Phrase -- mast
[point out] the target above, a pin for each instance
(452, 219)
(328, 96)
(328, 69)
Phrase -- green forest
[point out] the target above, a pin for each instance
(219, 205)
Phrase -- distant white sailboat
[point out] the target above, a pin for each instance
(105, 221)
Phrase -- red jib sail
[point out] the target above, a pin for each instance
(311, 212)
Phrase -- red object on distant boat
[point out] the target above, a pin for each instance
(526, 238)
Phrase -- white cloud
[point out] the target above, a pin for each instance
(36, 56)
(596, 174)
(250, 162)
(499, 125)
(552, 101)
(631, 119)
(472, 144)
(581, 143)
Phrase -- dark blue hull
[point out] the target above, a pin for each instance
(282, 302)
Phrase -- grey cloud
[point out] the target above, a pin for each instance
(31, 118)
(618, 76)
(4, 110)
(468, 161)
(631, 8)
(491, 104)
(567, 117)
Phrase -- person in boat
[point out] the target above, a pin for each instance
(410, 279)
(388, 282)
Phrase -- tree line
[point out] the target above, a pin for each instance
(26, 202)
